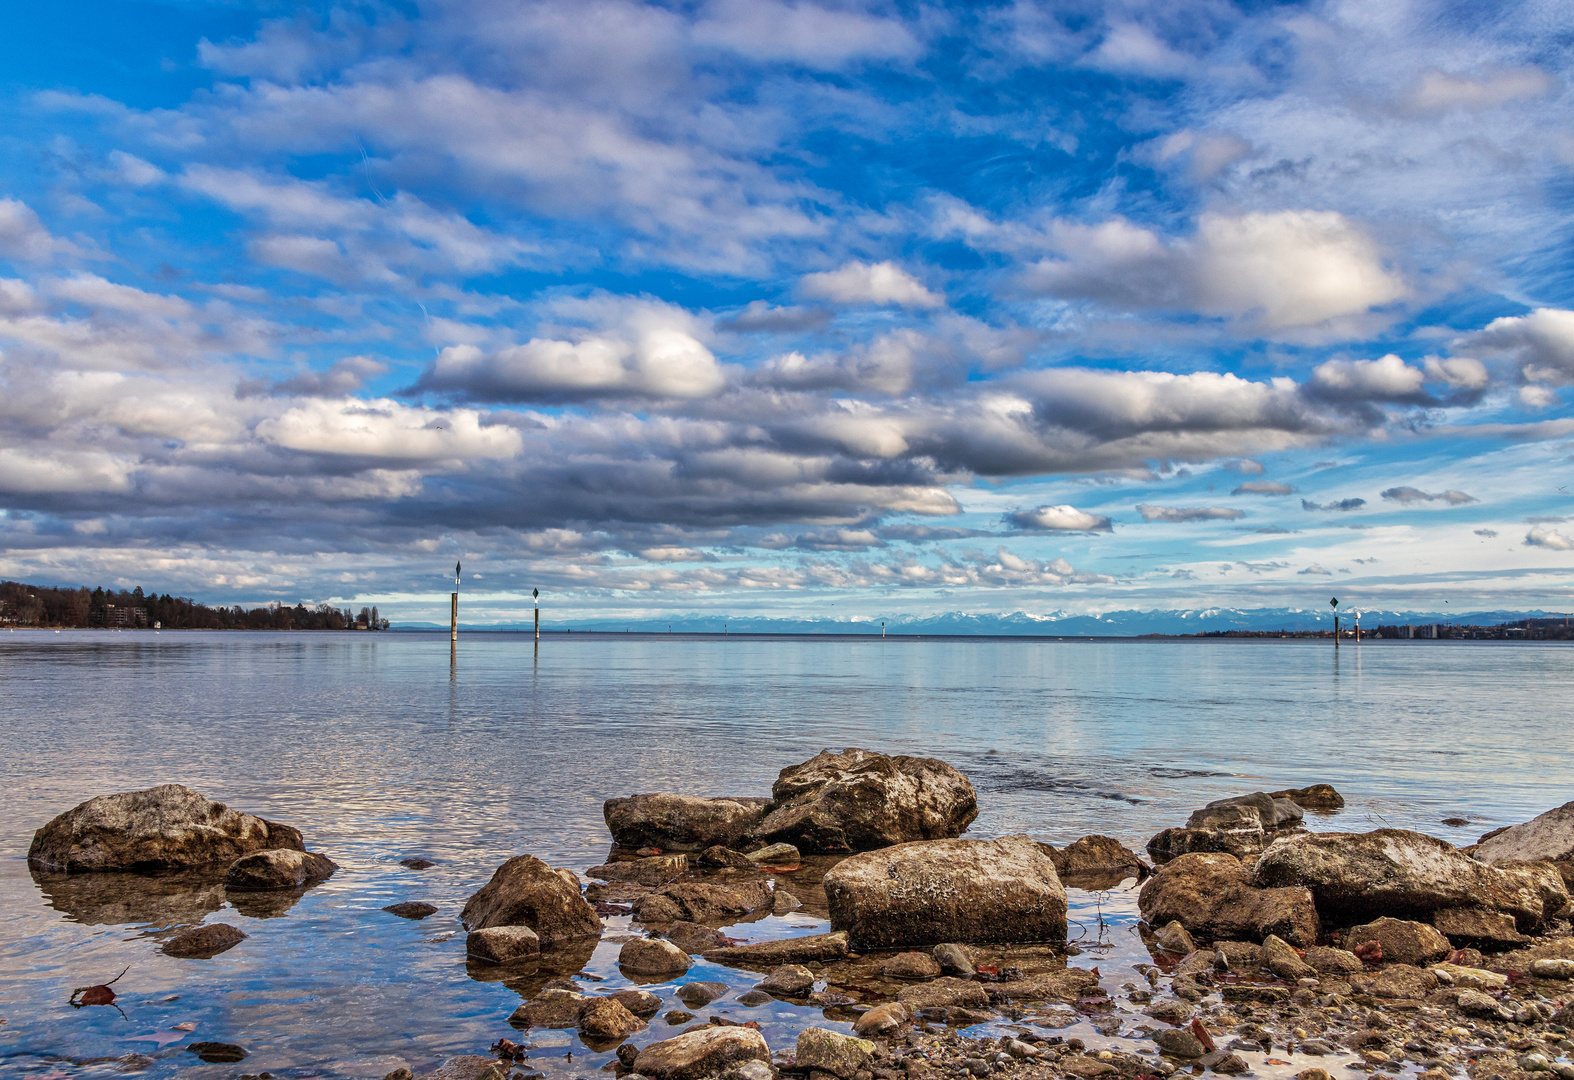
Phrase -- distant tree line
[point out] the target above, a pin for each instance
(44, 606)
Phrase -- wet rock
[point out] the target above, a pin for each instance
(1474, 927)
(277, 868)
(832, 1052)
(642, 1003)
(415, 862)
(678, 1016)
(1068, 984)
(1173, 938)
(697, 995)
(1170, 1011)
(789, 980)
(882, 1019)
(752, 998)
(749, 1070)
(525, 891)
(1224, 1062)
(203, 942)
(1279, 958)
(217, 1053)
(722, 857)
(1214, 896)
(784, 902)
(1549, 836)
(1394, 872)
(1468, 977)
(169, 827)
(1096, 856)
(701, 1053)
(858, 800)
(911, 965)
(1475, 1003)
(776, 855)
(946, 992)
(1085, 1067)
(654, 871)
(803, 950)
(1273, 813)
(954, 959)
(411, 909)
(936, 891)
(604, 1019)
(681, 822)
(1552, 968)
(1232, 814)
(467, 1067)
(693, 901)
(1316, 797)
(1239, 957)
(502, 944)
(550, 1009)
(1244, 841)
(615, 894)
(1329, 961)
(1179, 1042)
(694, 938)
(1396, 981)
(653, 957)
(1403, 942)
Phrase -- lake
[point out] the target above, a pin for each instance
(378, 749)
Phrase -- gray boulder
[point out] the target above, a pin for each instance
(843, 1056)
(937, 891)
(169, 827)
(502, 944)
(858, 800)
(1402, 941)
(1242, 837)
(1213, 897)
(653, 957)
(700, 902)
(1547, 837)
(203, 942)
(525, 891)
(1273, 813)
(279, 868)
(681, 822)
(701, 1053)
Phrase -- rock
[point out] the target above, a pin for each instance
(1469, 978)
(1280, 959)
(1084, 1067)
(277, 868)
(642, 1003)
(1549, 837)
(911, 965)
(654, 871)
(1394, 872)
(935, 891)
(217, 1053)
(749, 1070)
(1239, 957)
(802, 950)
(681, 822)
(718, 856)
(1212, 895)
(693, 938)
(1096, 856)
(784, 902)
(699, 994)
(1316, 797)
(1475, 1003)
(652, 956)
(752, 998)
(1067, 984)
(947, 992)
(693, 901)
(1477, 928)
(882, 1019)
(411, 909)
(1403, 942)
(550, 1009)
(954, 959)
(1313, 1074)
(695, 1054)
(1232, 815)
(1330, 961)
(1396, 981)
(1545, 880)
(415, 862)
(525, 891)
(1173, 938)
(678, 1016)
(789, 980)
(164, 828)
(776, 855)
(829, 1051)
(858, 800)
(203, 942)
(1179, 1042)
(603, 1020)
(1552, 968)
(1273, 813)
(502, 944)
(1170, 1011)
(1224, 1062)
(1245, 841)
(467, 1067)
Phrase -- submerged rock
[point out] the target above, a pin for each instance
(1243, 839)
(203, 942)
(800, 950)
(412, 909)
(1213, 896)
(168, 827)
(604, 1020)
(937, 891)
(725, 857)
(701, 1053)
(692, 937)
(279, 868)
(776, 854)
(550, 1009)
(654, 871)
(698, 902)
(858, 800)
(502, 944)
(681, 822)
(1096, 856)
(789, 980)
(525, 891)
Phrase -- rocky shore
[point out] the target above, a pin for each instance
(1265, 948)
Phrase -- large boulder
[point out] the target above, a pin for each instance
(1101, 857)
(169, 827)
(1214, 898)
(527, 892)
(279, 868)
(1402, 941)
(1549, 837)
(701, 902)
(767, 954)
(681, 822)
(1244, 838)
(935, 891)
(1274, 813)
(858, 800)
(1316, 797)
(1360, 876)
(701, 1053)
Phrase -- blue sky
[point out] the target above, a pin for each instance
(761, 307)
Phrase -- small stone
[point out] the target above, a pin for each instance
(217, 1053)
(415, 862)
(1171, 1012)
(1223, 1061)
(502, 944)
(911, 965)
(204, 942)
(789, 980)
(694, 937)
(411, 909)
(1552, 969)
(829, 1051)
(1313, 1074)
(1475, 1003)
(605, 1019)
(784, 902)
(468, 1067)
(717, 855)
(550, 1008)
(1179, 1042)
(277, 868)
(954, 959)
(678, 1016)
(1173, 937)
(697, 995)
(882, 1019)
(776, 855)
(748, 1070)
(1279, 958)
(751, 998)
(642, 1003)
(652, 956)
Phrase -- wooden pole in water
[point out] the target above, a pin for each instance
(882, 628)
(535, 594)
(453, 609)
(1334, 603)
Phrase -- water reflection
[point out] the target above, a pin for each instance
(119, 899)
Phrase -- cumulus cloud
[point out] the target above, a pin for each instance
(1338, 505)
(343, 378)
(1205, 154)
(803, 33)
(1316, 568)
(1543, 537)
(1385, 379)
(1541, 343)
(759, 317)
(1262, 487)
(387, 430)
(1407, 495)
(866, 283)
(1063, 518)
(1150, 512)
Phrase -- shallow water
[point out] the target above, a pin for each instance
(378, 750)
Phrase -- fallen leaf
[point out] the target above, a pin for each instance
(1202, 1036)
(189, 1025)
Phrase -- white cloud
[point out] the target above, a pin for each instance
(1150, 512)
(802, 33)
(1129, 48)
(866, 283)
(1542, 343)
(1460, 372)
(1543, 537)
(1063, 518)
(22, 235)
(1316, 568)
(389, 431)
(1262, 487)
(1438, 91)
(1386, 379)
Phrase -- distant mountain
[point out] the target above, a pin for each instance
(1021, 623)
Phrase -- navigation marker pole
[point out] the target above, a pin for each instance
(453, 609)
(535, 594)
(1334, 603)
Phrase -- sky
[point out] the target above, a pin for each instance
(850, 310)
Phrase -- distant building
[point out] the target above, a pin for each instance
(123, 617)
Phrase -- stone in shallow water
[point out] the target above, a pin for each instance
(700, 1053)
(503, 944)
(217, 1053)
(417, 863)
(680, 822)
(412, 909)
(699, 994)
(525, 891)
(789, 980)
(605, 1019)
(753, 998)
(204, 942)
(277, 868)
(654, 957)
(830, 1051)
(801, 950)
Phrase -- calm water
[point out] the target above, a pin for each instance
(377, 750)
